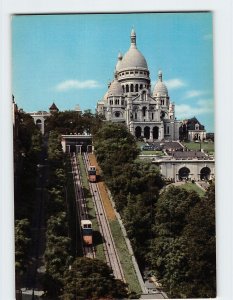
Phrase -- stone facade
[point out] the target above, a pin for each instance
(148, 115)
(39, 118)
(188, 169)
(184, 169)
(192, 130)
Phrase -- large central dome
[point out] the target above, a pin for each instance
(133, 57)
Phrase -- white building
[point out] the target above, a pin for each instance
(129, 99)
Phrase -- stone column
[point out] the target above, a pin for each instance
(151, 134)
(140, 114)
(162, 132)
(42, 125)
(63, 143)
(142, 134)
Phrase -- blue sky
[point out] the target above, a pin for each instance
(69, 59)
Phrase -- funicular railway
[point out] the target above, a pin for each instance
(110, 250)
(111, 255)
(85, 224)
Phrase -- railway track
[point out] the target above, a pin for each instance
(80, 202)
(111, 254)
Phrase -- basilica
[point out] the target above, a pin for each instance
(149, 115)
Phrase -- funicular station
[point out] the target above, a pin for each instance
(77, 143)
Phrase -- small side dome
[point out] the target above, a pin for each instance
(120, 56)
(118, 65)
(105, 99)
(160, 88)
(115, 88)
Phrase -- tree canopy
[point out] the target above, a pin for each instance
(134, 184)
(91, 279)
(114, 146)
(73, 122)
(183, 250)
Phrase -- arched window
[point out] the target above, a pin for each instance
(136, 88)
(205, 173)
(131, 88)
(144, 111)
(155, 133)
(184, 173)
(197, 126)
(144, 96)
(117, 114)
(39, 123)
(123, 87)
(138, 132)
(147, 132)
(127, 88)
(141, 86)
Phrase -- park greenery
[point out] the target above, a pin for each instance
(182, 253)
(134, 185)
(91, 279)
(61, 261)
(73, 122)
(207, 146)
(27, 149)
(172, 230)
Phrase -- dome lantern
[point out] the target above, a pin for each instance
(133, 38)
(160, 75)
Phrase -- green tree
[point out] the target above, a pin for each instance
(91, 279)
(22, 242)
(114, 146)
(55, 152)
(57, 253)
(134, 184)
(73, 122)
(183, 250)
(200, 246)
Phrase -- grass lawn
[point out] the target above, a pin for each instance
(125, 258)
(208, 147)
(152, 152)
(140, 143)
(192, 187)
(103, 191)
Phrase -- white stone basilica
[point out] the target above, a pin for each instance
(129, 99)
